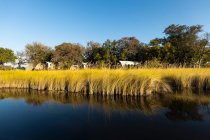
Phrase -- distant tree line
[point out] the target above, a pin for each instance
(182, 45)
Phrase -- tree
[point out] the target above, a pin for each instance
(168, 53)
(128, 48)
(143, 54)
(201, 50)
(6, 55)
(21, 58)
(162, 50)
(92, 52)
(38, 53)
(102, 55)
(108, 52)
(155, 53)
(68, 54)
(184, 38)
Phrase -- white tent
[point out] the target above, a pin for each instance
(128, 63)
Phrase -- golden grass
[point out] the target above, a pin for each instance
(109, 82)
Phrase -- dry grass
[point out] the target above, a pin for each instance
(109, 82)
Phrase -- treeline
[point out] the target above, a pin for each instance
(182, 46)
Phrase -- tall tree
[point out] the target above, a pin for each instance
(38, 53)
(155, 49)
(68, 54)
(168, 53)
(162, 51)
(6, 55)
(92, 52)
(184, 38)
(102, 55)
(143, 54)
(201, 50)
(128, 48)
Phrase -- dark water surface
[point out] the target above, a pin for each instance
(41, 116)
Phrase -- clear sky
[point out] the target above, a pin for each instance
(78, 21)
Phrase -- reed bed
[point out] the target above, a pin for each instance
(134, 82)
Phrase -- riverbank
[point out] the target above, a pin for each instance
(109, 82)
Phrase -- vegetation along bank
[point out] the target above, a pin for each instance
(110, 82)
(181, 46)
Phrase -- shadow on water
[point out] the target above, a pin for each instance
(36, 115)
(179, 107)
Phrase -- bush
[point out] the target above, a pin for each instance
(153, 64)
(5, 67)
(21, 68)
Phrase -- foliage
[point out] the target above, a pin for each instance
(67, 54)
(21, 58)
(182, 46)
(154, 63)
(5, 67)
(187, 43)
(38, 53)
(128, 48)
(6, 55)
(111, 52)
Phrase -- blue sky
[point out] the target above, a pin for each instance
(78, 21)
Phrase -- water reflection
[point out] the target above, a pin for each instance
(179, 110)
(179, 107)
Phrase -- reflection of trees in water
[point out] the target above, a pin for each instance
(110, 103)
(187, 107)
(179, 110)
(148, 105)
(181, 107)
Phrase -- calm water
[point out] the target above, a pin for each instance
(41, 116)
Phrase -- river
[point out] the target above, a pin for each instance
(35, 115)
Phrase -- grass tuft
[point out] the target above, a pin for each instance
(133, 82)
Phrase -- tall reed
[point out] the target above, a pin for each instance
(110, 82)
